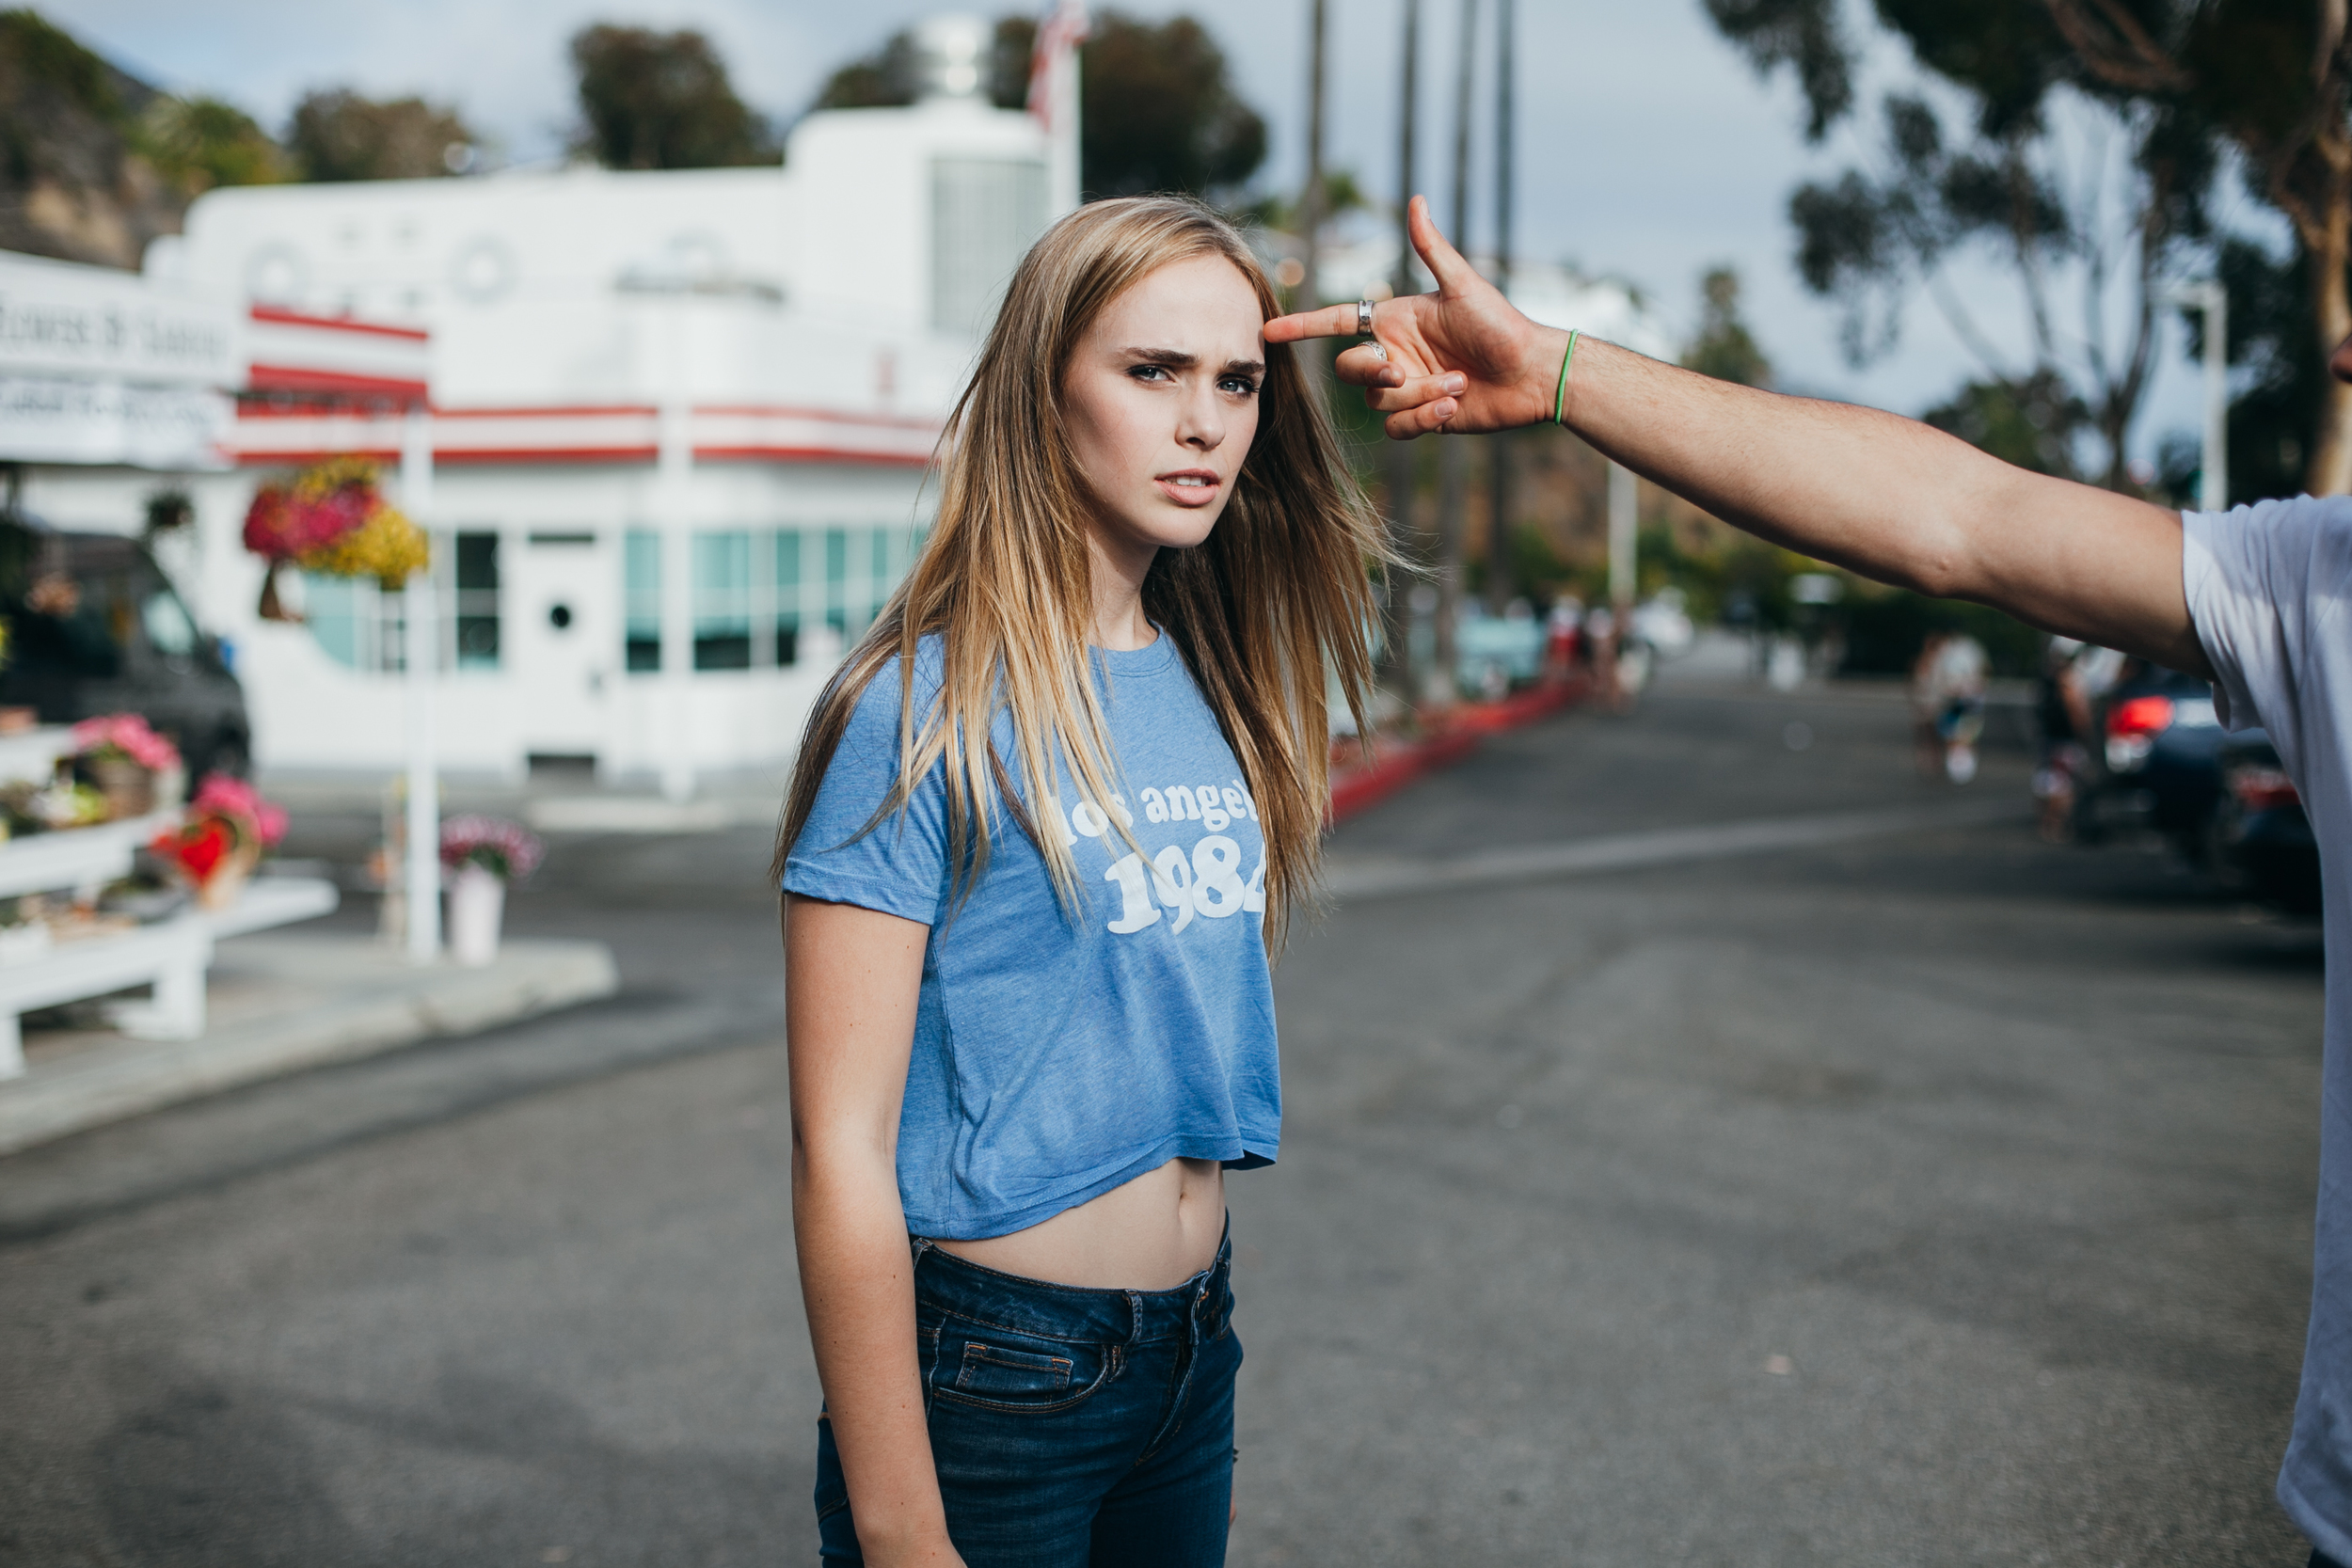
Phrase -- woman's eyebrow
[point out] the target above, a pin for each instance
(1177, 359)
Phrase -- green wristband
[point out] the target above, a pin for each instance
(1560, 398)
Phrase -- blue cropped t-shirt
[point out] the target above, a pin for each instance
(1059, 1051)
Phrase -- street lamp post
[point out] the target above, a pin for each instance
(2210, 297)
(421, 655)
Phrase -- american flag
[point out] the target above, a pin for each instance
(1065, 29)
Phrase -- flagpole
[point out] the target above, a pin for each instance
(1054, 100)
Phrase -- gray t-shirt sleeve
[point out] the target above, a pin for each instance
(2251, 576)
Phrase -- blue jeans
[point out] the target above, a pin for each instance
(1069, 1427)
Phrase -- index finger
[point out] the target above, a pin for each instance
(1332, 321)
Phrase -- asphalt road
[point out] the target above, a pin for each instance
(1921, 1197)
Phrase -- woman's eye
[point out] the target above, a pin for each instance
(1240, 386)
(1149, 372)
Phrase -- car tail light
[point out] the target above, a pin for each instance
(2261, 788)
(2141, 716)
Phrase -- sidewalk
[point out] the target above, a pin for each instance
(281, 1003)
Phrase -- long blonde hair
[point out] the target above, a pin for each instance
(1276, 595)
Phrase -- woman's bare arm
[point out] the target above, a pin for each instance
(1887, 496)
(852, 977)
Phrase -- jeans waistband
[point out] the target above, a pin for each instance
(1194, 1311)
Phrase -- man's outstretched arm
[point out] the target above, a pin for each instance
(1887, 496)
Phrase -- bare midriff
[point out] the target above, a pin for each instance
(1152, 1234)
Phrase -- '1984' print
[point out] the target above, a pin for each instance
(1206, 884)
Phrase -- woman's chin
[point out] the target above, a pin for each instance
(1171, 527)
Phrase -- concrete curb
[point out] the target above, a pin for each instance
(300, 1001)
(1357, 786)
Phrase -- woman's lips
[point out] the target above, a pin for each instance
(1203, 489)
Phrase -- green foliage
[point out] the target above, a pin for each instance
(1160, 112)
(336, 135)
(1724, 348)
(32, 51)
(2031, 421)
(1803, 35)
(1157, 105)
(1886, 630)
(662, 100)
(1868, 239)
(199, 143)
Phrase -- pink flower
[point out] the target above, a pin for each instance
(240, 804)
(125, 735)
(506, 849)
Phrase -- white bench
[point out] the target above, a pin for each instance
(170, 955)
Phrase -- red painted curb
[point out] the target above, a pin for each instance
(1360, 784)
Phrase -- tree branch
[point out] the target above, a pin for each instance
(2115, 48)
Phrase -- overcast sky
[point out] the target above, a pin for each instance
(1647, 149)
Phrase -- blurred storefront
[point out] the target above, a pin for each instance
(679, 429)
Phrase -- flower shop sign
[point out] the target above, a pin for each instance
(58, 318)
(101, 367)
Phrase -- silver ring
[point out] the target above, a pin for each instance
(1379, 350)
(1363, 318)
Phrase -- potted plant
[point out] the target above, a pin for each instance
(482, 854)
(125, 758)
(220, 839)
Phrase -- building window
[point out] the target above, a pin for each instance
(475, 601)
(985, 214)
(837, 581)
(787, 578)
(359, 626)
(723, 601)
(641, 579)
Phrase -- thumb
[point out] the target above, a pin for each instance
(1445, 263)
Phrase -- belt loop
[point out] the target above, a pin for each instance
(919, 1245)
(1135, 1318)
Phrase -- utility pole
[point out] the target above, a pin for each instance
(1311, 200)
(1621, 538)
(1397, 644)
(1453, 455)
(1500, 583)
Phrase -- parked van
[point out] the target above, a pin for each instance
(93, 627)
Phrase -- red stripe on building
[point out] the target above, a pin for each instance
(296, 378)
(280, 317)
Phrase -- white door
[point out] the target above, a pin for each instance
(566, 641)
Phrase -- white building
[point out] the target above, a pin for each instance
(679, 425)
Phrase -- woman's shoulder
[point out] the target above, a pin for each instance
(881, 698)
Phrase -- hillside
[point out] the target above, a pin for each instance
(76, 182)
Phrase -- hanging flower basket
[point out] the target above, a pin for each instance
(331, 517)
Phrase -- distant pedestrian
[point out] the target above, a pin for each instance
(2060, 722)
(1948, 685)
(2258, 600)
(1048, 819)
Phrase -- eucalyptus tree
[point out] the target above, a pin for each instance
(1994, 178)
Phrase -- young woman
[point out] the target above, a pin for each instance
(1048, 820)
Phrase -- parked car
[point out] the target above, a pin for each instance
(2160, 762)
(2260, 841)
(94, 626)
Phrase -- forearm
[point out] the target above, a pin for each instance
(857, 1279)
(1851, 485)
(1893, 499)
